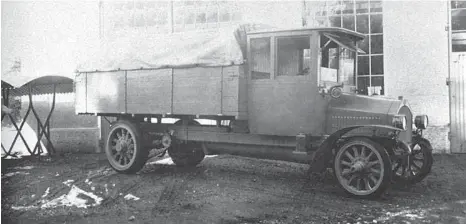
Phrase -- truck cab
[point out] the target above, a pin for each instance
(291, 71)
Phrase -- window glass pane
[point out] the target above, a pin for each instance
(260, 58)
(179, 17)
(224, 17)
(321, 22)
(364, 45)
(458, 19)
(237, 16)
(291, 60)
(212, 17)
(348, 7)
(362, 6)
(376, 6)
(335, 21)
(346, 74)
(189, 19)
(376, 24)
(376, 44)
(363, 83)
(139, 4)
(156, 18)
(129, 5)
(362, 22)
(458, 4)
(459, 48)
(363, 65)
(138, 20)
(201, 18)
(377, 84)
(348, 22)
(377, 65)
(333, 7)
(151, 19)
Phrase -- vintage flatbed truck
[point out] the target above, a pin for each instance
(273, 94)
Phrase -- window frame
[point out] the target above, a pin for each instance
(300, 55)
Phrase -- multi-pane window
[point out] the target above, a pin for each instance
(137, 14)
(158, 15)
(364, 16)
(205, 14)
(458, 23)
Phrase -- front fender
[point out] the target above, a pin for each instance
(324, 152)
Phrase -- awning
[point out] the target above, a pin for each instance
(42, 85)
(343, 40)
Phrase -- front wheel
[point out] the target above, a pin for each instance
(124, 149)
(363, 168)
(417, 165)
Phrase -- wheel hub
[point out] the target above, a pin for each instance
(358, 166)
(121, 146)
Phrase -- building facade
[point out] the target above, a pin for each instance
(409, 47)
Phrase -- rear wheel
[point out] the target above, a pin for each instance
(186, 153)
(363, 168)
(124, 149)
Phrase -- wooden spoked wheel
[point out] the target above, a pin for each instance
(363, 168)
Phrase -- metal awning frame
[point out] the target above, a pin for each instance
(43, 128)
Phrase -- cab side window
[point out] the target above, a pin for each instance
(260, 58)
(337, 63)
(293, 56)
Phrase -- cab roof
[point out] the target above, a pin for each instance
(353, 34)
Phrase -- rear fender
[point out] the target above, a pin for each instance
(324, 152)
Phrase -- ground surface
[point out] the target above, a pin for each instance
(222, 189)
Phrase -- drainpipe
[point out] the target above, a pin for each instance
(303, 16)
(172, 29)
(449, 28)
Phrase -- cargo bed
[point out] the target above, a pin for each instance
(199, 91)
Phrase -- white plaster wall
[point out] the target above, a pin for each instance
(416, 60)
(49, 37)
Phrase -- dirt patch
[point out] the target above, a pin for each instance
(222, 189)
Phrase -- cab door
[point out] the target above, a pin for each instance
(283, 97)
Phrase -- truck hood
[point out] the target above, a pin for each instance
(352, 109)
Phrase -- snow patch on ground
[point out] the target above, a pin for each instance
(169, 161)
(131, 197)
(24, 168)
(23, 208)
(166, 161)
(46, 193)
(8, 135)
(68, 182)
(15, 173)
(413, 214)
(88, 182)
(70, 199)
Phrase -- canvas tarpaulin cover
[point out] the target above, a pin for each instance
(222, 47)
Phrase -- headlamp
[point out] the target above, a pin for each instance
(399, 121)
(421, 121)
